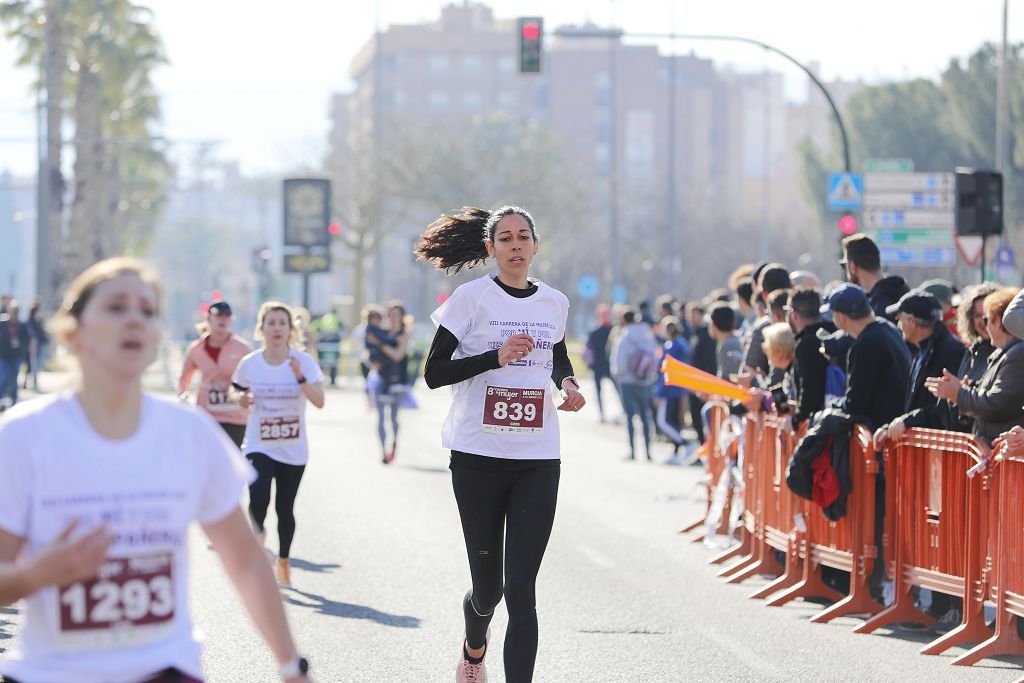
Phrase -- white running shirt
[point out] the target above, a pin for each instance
(277, 420)
(133, 620)
(508, 412)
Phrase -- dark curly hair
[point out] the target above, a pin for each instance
(457, 239)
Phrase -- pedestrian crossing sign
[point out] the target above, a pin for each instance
(845, 191)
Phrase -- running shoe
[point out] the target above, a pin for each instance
(284, 573)
(468, 672)
(389, 457)
(674, 460)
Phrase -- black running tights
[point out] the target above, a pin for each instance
(288, 478)
(506, 520)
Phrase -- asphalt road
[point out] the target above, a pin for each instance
(379, 571)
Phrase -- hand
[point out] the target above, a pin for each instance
(945, 387)
(574, 400)
(880, 438)
(1014, 440)
(245, 400)
(183, 397)
(744, 378)
(516, 347)
(294, 363)
(64, 561)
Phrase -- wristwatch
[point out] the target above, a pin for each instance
(301, 379)
(573, 380)
(295, 667)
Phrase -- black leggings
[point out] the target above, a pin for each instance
(506, 520)
(235, 432)
(288, 478)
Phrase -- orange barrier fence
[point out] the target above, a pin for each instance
(1003, 564)
(936, 523)
(716, 461)
(954, 524)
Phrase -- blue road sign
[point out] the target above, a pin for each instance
(619, 294)
(1005, 257)
(845, 191)
(587, 287)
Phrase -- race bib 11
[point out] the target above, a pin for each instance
(131, 600)
(513, 411)
(218, 399)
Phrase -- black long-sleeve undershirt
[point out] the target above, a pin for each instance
(441, 369)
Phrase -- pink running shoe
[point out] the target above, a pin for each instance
(468, 672)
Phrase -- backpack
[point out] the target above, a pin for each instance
(644, 366)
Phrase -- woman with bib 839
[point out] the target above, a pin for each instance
(501, 343)
(277, 381)
(109, 454)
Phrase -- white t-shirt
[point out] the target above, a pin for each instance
(508, 412)
(277, 421)
(133, 620)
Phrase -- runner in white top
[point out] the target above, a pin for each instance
(277, 381)
(109, 456)
(501, 343)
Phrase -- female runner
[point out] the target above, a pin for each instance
(501, 342)
(215, 355)
(277, 380)
(106, 454)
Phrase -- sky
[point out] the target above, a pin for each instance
(254, 77)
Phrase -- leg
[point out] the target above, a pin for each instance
(531, 515)
(597, 393)
(644, 404)
(665, 409)
(288, 479)
(696, 411)
(629, 405)
(381, 433)
(481, 497)
(259, 490)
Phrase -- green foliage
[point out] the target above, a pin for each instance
(939, 125)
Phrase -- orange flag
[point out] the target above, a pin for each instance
(680, 374)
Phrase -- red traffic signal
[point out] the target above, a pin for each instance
(531, 42)
(334, 228)
(848, 224)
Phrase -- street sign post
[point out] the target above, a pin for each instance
(889, 165)
(911, 216)
(845, 191)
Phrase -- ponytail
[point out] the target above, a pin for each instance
(457, 240)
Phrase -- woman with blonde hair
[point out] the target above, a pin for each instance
(108, 453)
(277, 380)
(215, 355)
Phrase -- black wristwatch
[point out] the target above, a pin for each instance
(301, 379)
(298, 666)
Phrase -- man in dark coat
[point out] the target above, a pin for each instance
(810, 367)
(14, 340)
(863, 264)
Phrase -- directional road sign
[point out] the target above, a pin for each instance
(889, 165)
(911, 215)
(912, 218)
(932, 256)
(845, 191)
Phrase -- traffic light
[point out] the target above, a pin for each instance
(979, 202)
(531, 41)
(847, 224)
(334, 229)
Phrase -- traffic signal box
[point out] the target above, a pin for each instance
(979, 202)
(531, 41)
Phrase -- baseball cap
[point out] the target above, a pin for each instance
(846, 298)
(942, 289)
(918, 303)
(220, 308)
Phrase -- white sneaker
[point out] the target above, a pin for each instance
(674, 460)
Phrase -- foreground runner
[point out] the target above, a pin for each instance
(500, 341)
(107, 453)
(277, 380)
(216, 355)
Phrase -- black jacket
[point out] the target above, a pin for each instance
(830, 430)
(597, 342)
(995, 403)
(808, 371)
(704, 350)
(941, 351)
(886, 292)
(878, 367)
(972, 367)
(13, 346)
